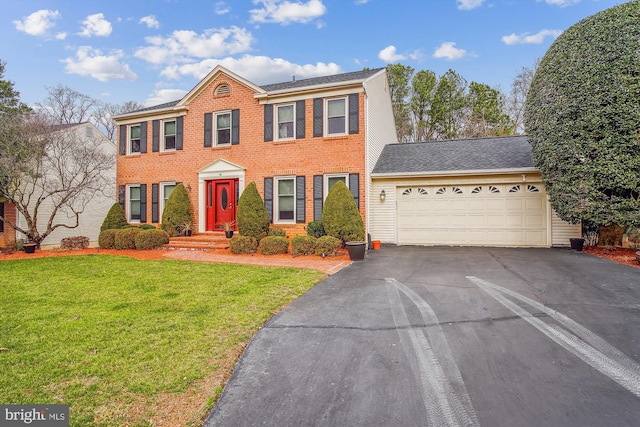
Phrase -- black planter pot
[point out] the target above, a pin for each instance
(356, 250)
(577, 244)
(188, 232)
(29, 248)
(228, 233)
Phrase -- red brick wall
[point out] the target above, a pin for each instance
(9, 233)
(308, 157)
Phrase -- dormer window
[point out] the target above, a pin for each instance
(223, 89)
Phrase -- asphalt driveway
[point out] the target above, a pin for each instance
(416, 336)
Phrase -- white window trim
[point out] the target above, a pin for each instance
(215, 127)
(276, 130)
(346, 116)
(325, 185)
(163, 145)
(276, 201)
(129, 143)
(161, 195)
(127, 200)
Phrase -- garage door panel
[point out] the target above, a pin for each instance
(491, 216)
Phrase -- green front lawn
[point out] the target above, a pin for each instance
(104, 333)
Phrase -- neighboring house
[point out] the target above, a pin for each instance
(295, 140)
(476, 192)
(93, 215)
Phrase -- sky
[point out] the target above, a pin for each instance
(155, 51)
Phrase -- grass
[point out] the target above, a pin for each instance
(104, 333)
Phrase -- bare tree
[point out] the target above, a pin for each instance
(103, 116)
(65, 106)
(518, 95)
(50, 173)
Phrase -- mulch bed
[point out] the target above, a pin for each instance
(614, 253)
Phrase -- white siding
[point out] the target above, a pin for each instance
(562, 231)
(382, 221)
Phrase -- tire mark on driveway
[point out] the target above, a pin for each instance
(578, 340)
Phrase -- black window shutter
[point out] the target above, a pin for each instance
(235, 127)
(123, 140)
(143, 202)
(121, 195)
(268, 197)
(154, 203)
(179, 132)
(354, 187)
(143, 137)
(208, 124)
(300, 119)
(354, 113)
(2, 215)
(300, 199)
(155, 135)
(268, 122)
(317, 117)
(317, 197)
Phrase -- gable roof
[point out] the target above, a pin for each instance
(461, 156)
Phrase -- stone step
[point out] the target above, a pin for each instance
(199, 242)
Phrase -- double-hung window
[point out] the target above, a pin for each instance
(332, 179)
(336, 116)
(223, 128)
(134, 203)
(134, 139)
(285, 199)
(285, 121)
(169, 135)
(165, 190)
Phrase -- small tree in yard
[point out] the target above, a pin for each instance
(252, 217)
(340, 216)
(582, 116)
(177, 212)
(115, 218)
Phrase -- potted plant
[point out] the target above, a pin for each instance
(341, 219)
(186, 229)
(228, 229)
(29, 247)
(577, 243)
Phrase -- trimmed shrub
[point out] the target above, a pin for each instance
(243, 245)
(115, 218)
(327, 245)
(77, 242)
(340, 216)
(126, 238)
(151, 239)
(273, 245)
(147, 227)
(277, 231)
(253, 219)
(303, 245)
(315, 229)
(107, 239)
(177, 211)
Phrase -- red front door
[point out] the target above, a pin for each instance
(221, 201)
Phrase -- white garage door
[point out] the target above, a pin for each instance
(476, 215)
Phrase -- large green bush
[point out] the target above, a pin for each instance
(151, 239)
(252, 217)
(582, 117)
(340, 216)
(126, 238)
(243, 245)
(327, 245)
(303, 245)
(315, 229)
(273, 245)
(177, 211)
(106, 239)
(115, 218)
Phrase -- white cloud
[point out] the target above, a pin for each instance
(150, 21)
(184, 45)
(257, 69)
(161, 96)
(221, 8)
(95, 25)
(38, 23)
(60, 36)
(287, 12)
(448, 50)
(91, 62)
(561, 3)
(389, 55)
(359, 2)
(469, 4)
(526, 38)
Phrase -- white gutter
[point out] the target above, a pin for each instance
(455, 173)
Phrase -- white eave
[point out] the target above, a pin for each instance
(427, 174)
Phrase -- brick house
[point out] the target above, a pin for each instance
(294, 140)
